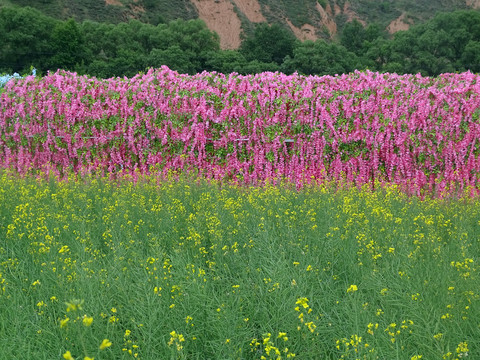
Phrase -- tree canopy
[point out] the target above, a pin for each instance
(450, 42)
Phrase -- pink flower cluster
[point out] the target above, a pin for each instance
(363, 128)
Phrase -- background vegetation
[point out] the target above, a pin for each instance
(450, 42)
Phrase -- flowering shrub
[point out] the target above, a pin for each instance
(363, 128)
(6, 77)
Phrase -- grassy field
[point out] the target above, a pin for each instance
(180, 269)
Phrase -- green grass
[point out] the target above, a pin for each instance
(179, 269)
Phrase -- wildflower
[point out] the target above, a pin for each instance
(311, 326)
(177, 339)
(302, 301)
(64, 322)
(105, 344)
(87, 321)
(352, 288)
(74, 305)
(462, 349)
(68, 356)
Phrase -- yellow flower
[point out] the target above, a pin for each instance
(87, 321)
(74, 305)
(88, 358)
(64, 322)
(302, 301)
(311, 326)
(68, 356)
(352, 288)
(105, 344)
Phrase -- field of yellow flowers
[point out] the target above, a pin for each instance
(179, 269)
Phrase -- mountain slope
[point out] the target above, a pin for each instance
(232, 19)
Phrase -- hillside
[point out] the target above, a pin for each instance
(231, 19)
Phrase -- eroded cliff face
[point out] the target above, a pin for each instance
(225, 17)
(222, 16)
(399, 24)
(475, 4)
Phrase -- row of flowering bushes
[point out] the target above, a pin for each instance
(4, 78)
(418, 132)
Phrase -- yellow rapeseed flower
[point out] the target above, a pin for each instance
(68, 356)
(105, 344)
(64, 322)
(352, 288)
(74, 305)
(302, 301)
(87, 321)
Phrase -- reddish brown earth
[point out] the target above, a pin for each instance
(473, 3)
(220, 16)
(398, 24)
(251, 9)
(113, 2)
(327, 18)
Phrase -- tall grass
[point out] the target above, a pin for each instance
(189, 270)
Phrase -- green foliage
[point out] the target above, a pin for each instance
(226, 61)
(320, 58)
(25, 39)
(269, 43)
(437, 46)
(181, 269)
(447, 43)
(68, 45)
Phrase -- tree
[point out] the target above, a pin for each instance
(69, 46)
(269, 43)
(353, 36)
(25, 39)
(320, 58)
(191, 37)
(226, 61)
(471, 56)
(173, 57)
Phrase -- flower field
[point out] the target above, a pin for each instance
(418, 133)
(240, 217)
(184, 270)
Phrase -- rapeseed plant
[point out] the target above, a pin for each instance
(92, 262)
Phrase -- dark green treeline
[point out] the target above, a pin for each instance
(450, 42)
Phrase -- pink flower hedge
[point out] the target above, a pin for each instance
(420, 133)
